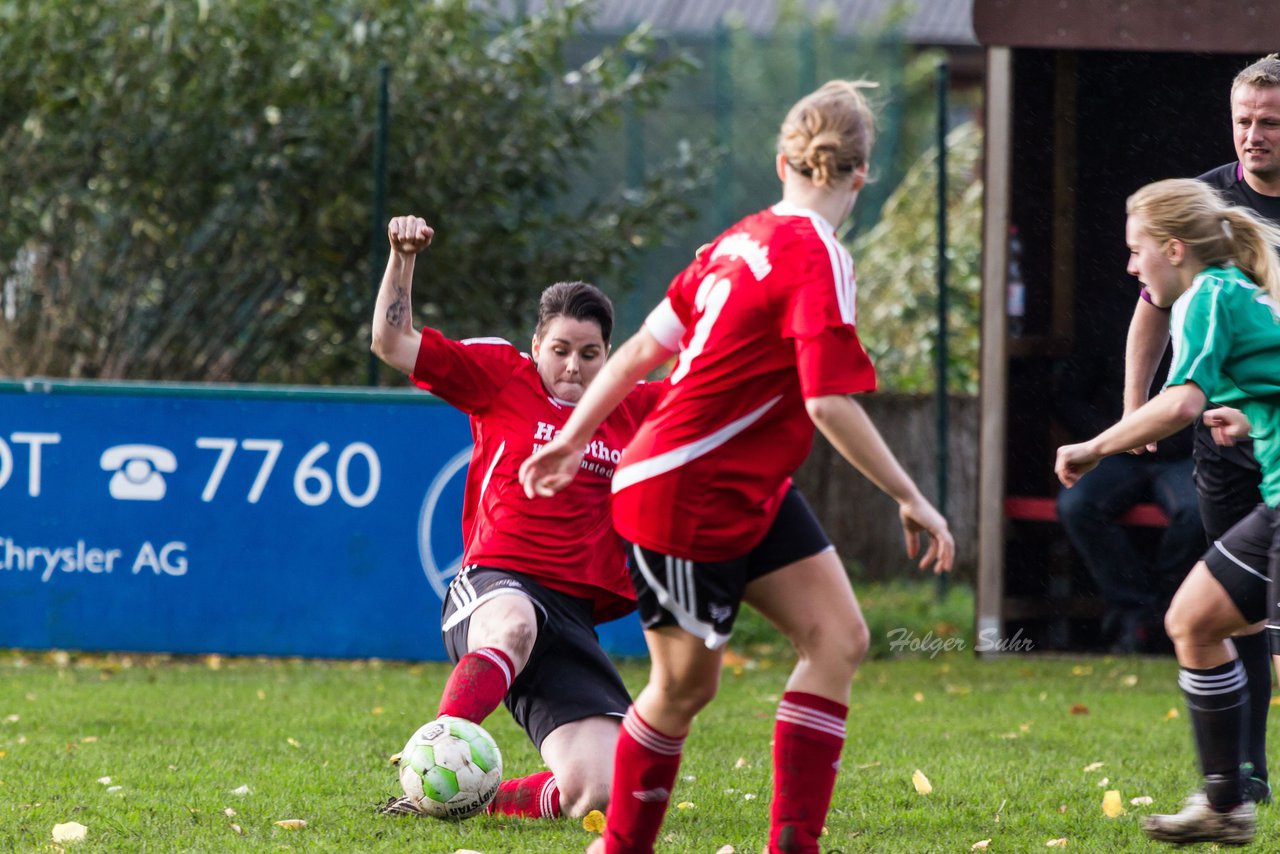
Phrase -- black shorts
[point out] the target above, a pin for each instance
(568, 677)
(703, 598)
(1227, 481)
(1240, 561)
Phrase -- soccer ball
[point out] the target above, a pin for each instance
(451, 768)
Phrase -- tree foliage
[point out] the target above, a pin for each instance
(897, 273)
(189, 187)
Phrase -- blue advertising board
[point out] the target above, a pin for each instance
(232, 519)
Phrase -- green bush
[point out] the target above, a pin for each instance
(189, 187)
(894, 610)
(897, 273)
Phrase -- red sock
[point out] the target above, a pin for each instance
(807, 739)
(644, 772)
(535, 796)
(477, 684)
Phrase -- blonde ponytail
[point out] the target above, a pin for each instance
(1190, 211)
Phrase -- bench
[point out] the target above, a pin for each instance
(1062, 603)
(1041, 509)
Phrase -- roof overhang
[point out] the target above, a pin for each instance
(1194, 26)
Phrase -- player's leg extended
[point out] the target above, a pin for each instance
(683, 678)
(1200, 619)
(1227, 483)
(813, 604)
(499, 637)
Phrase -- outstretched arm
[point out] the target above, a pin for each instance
(851, 432)
(553, 467)
(1160, 417)
(395, 341)
(1148, 338)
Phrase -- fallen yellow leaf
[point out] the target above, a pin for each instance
(1173, 713)
(106, 781)
(918, 697)
(71, 831)
(293, 742)
(685, 805)
(593, 822)
(394, 759)
(1061, 842)
(229, 812)
(980, 845)
(742, 763)
(1092, 766)
(1141, 801)
(921, 782)
(1104, 782)
(89, 739)
(377, 710)
(1079, 709)
(1111, 806)
(238, 829)
(1081, 670)
(726, 849)
(1130, 680)
(292, 823)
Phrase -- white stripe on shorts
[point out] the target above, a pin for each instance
(684, 617)
(1217, 544)
(465, 600)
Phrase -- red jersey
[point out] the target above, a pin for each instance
(764, 320)
(567, 542)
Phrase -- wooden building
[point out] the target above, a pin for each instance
(1086, 100)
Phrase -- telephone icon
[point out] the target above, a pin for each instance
(138, 471)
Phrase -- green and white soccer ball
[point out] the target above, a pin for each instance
(451, 768)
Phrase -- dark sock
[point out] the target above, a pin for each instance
(1255, 657)
(1217, 698)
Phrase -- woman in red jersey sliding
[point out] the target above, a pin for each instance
(537, 576)
(763, 325)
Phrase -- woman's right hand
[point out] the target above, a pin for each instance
(409, 235)
(551, 469)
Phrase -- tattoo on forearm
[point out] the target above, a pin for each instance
(398, 311)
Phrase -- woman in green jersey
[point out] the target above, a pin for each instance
(1214, 266)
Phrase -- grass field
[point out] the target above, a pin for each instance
(158, 754)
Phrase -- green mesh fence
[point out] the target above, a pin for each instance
(727, 111)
